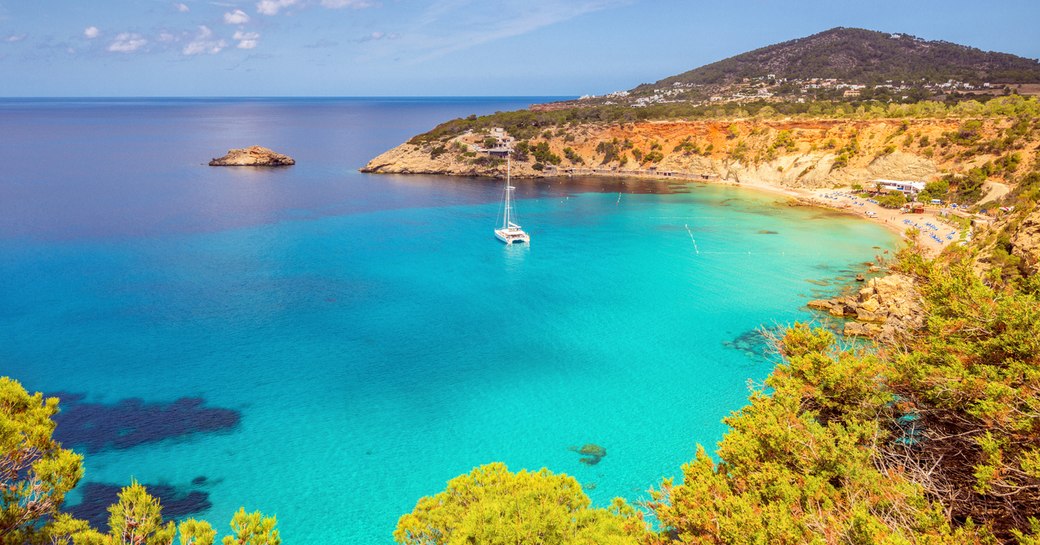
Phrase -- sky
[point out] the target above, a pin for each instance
(119, 48)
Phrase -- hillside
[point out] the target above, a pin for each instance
(840, 65)
(865, 56)
(787, 151)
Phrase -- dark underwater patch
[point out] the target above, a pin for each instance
(176, 504)
(753, 343)
(132, 422)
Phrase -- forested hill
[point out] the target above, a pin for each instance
(864, 56)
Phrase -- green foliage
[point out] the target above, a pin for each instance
(654, 156)
(687, 147)
(35, 472)
(798, 466)
(1030, 537)
(784, 140)
(968, 186)
(975, 371)
(488, 161)
(492, 506)
(611, 150)
(969, 132)
(740, 151)
(892, 199)
(573, 156)
(194, 532)
(136, 519)
(527, 124)
(521, 150)
(936, 190)
(1007, 165)
(252, 529)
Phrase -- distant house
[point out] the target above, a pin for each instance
(851, 93)
(908, 188)
(503, 143)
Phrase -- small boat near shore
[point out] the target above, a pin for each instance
(510, 231)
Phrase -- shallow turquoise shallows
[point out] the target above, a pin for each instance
(375, 351)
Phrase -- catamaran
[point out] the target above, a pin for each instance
(510, 232)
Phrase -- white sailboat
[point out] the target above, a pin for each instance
(510, 232)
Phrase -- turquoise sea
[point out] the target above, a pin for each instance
(329, 346)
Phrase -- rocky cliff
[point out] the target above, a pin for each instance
(885, 308)
(783, 152)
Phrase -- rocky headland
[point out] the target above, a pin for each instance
(885, 308)
(788, 153)
(255, 156)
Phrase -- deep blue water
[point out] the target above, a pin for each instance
(329, 346)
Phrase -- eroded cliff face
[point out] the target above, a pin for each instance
(789, 153)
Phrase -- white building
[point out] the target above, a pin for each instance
(908, 188)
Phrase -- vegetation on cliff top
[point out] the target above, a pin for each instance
(526, 124)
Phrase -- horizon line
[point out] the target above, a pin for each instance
(211, 97)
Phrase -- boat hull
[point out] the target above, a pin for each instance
(509, 236)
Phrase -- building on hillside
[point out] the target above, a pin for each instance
(908, 188)
(503, 143)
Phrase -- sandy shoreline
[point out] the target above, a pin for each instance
(842, 200)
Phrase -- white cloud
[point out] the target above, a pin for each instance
(91, 32)
(204, 43)
(247, 40)
(237, 17)
(127, 42)
(272, 7)
(183, 8)
(356, 4)
(13, 38)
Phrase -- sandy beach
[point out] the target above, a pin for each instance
(928, 223)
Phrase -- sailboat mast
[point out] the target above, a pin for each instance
(509, 189)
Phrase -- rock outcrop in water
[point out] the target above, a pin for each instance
(591, 453)
(885, 308)
(255, 156)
